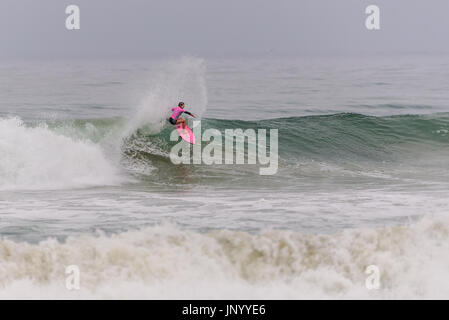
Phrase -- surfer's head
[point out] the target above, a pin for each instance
(181, 104)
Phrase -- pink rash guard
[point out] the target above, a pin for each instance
(177, 111)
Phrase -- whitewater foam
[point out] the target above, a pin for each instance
(167, 262)
(39, 158)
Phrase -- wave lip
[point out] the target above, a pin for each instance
(38, 158)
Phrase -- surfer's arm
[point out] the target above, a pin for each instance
(190, 114)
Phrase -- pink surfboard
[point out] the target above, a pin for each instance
(186, 134)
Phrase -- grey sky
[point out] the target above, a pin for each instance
(141, 29)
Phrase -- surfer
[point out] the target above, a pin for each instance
(175, 118)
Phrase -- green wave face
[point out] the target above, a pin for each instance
(340, 136)
(313, 147)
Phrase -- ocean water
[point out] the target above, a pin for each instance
(362, 179)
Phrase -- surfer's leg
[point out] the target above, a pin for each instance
(183, 121)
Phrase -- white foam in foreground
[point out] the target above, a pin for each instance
(38, 158)
(166, 262)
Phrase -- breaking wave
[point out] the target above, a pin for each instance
(167, 262)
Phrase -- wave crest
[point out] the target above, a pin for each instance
(39, 158)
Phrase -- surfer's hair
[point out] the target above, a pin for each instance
(180, 104)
